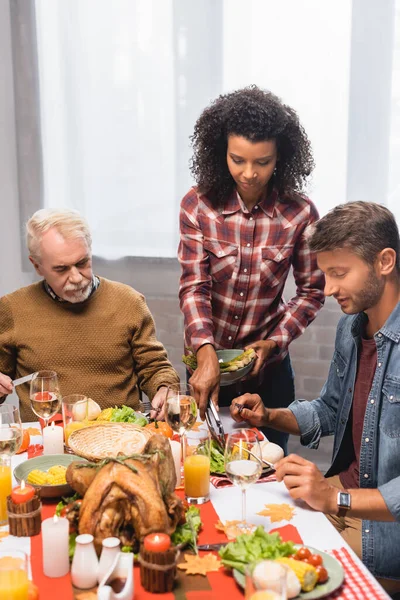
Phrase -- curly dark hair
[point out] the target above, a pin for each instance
(257, 115)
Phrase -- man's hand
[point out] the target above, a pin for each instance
(306, 482)
(205, 379)
(250, 408)
(158, 404)
(263, 349)
(6, 386)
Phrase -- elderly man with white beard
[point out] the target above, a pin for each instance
(97, 334)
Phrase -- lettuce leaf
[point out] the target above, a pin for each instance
(186, 534)
(258, 546)
(126, 414)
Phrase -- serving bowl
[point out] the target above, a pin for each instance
(44, 463)
(233, 376)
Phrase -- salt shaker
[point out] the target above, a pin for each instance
(85, 564)
(110, 549)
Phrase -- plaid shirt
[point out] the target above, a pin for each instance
(234, 267)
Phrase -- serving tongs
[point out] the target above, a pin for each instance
(214, 424)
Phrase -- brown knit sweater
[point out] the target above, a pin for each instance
(104, 347)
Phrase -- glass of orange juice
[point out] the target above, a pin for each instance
(13, 575)
(75, 409)
(5, 486)
(196, 466)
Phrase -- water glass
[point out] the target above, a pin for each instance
(196, 466)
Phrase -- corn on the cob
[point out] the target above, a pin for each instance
(305, 573)
(54, 476)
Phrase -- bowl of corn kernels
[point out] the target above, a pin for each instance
(47, 474)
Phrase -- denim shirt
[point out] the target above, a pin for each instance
(380, 447)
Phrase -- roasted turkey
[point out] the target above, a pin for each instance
(129, 497)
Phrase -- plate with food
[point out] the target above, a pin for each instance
(234, 364)
(270, 452)
(47, 474)
(317, 578)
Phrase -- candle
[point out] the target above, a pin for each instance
(5, 486)
(157, 542)
(53, 440)
(176, 454)
(55, 538)
(22, 493)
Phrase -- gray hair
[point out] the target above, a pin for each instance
(69, 223)
(364, 228)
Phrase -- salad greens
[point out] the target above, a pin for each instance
(126, 414)
(186, 534)
(255, 547)
(64, 502)
(217, 463)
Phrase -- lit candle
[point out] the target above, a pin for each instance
(53, 440)
(157, 542)
(22, 493)
(55, 538)
(176, 454)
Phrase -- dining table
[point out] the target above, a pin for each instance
(305, 526)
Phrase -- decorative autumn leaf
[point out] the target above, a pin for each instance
(278, 512)
(200, 565)
(234, 528)
(197, 425)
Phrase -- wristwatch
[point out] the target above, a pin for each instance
(343, 502)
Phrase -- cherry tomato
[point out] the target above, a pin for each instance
(303, 553)
(315, 560)
(322, 574)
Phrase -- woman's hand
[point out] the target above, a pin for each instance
(205, 379)
(264, 349)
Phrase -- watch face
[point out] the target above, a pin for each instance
(344, 499)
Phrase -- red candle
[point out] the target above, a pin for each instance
(157, 542)
(22, 493)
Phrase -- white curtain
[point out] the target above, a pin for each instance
(122, 83)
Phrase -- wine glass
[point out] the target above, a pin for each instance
(45, 395)
(243, 464)
(10, 442)
(181, 409)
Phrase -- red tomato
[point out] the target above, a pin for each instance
(315, 560)
(322, 574)
(303, 553)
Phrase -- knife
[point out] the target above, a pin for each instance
(212, 546)
(23, 379)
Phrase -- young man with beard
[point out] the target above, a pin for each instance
(98, 335)
(357, 247)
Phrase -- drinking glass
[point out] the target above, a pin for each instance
(45, 395)
(196, 466)
(243, 463)
(181, 409)
(75, 409)
(13, 575)
(267, 579)
(10, 429)
(10, 441)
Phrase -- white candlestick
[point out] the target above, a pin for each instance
(176, 453)
(55, 538)
(53, 440)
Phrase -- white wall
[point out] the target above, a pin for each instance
(11, 275)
